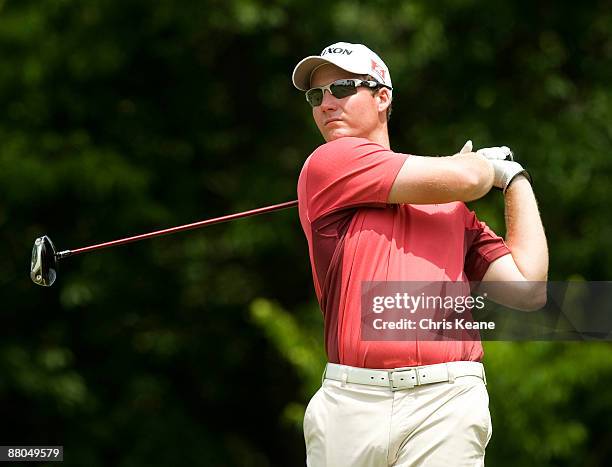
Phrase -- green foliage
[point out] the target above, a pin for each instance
(540, 403)
(300, 342)
(121, 117)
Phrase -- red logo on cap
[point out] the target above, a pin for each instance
(378, 69)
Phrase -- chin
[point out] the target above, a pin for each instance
(335, 134)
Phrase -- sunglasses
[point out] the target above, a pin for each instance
(340, 89)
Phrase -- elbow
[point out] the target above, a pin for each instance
(534, 296)
(522, 295)
(476, 185)
(477, 181)
(539, 295)
(474, 176)
(533, 305)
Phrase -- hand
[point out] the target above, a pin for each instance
(506, 169)
(497, 153)
(467, 147)
(506, 172)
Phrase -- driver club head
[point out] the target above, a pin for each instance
(43, 270)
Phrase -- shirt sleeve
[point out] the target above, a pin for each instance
(483, 246)
(349, 172)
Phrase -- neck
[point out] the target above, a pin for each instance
(381, 137)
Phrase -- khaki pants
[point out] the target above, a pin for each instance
(442, 424)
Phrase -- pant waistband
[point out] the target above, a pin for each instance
(406, 377)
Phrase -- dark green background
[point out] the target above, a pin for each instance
(120, 117)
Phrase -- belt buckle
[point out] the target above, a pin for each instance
(403, 379)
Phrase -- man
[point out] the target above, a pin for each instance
(371, 214)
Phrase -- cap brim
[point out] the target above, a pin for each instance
(304, 69)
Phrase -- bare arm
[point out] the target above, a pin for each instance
(434, 180)
(525, 232)
(528, 262)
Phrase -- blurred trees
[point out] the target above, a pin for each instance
(123, 117)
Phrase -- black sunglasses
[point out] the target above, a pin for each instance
(339, 89)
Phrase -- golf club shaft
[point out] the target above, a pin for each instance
(180, 228)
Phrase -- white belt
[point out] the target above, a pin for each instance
(407, 377)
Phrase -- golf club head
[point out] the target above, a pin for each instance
(43, 270)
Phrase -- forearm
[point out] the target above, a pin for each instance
(437, 180)
(524, 231)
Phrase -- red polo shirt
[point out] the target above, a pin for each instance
(354, 235)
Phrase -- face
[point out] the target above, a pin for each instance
(362, 114)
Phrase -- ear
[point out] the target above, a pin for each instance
(383, 97)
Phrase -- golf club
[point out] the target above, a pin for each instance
(43, 269)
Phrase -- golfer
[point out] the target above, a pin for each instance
(372, 214)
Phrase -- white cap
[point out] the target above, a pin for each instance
(354, 58)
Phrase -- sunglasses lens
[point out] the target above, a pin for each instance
(339, 89)
(314, 97)
(343, 90)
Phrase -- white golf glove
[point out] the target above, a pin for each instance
(506, 169)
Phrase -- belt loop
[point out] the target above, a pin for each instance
(484, 375)
(344, 378)
(451, 375)
(324, 372)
